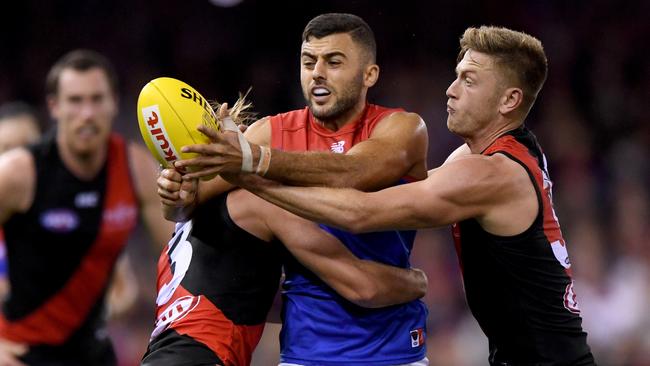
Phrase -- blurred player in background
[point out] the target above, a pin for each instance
(19, 125)
(339, 140)
(67, 206)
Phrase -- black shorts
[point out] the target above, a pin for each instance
(96, 353)
(173, 349)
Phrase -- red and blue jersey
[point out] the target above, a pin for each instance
(319, 326)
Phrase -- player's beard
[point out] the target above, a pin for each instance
(346, 101)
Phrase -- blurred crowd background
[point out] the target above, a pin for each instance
(591, 119)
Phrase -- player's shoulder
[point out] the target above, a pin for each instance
(259, 132)
(405, 117)
(264, 122)
(401, 121)
(391, 114)
(17, 178)
(16, 160)
(497, 169)
(495, 162)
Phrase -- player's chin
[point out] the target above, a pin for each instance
(87, 148)
(452, 125)
(322, 112)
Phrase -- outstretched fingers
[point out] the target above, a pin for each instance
(202, 173)
(201, 149)
(211, 133)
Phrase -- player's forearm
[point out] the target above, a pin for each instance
(393, 285)
(362, 282)
(336, 207)
(178, 214)
(374, 285)
(322, 169)
(343, 275)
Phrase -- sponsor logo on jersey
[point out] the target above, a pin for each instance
(338, 147)
(417, 338)
(120, 216)
(59, 220)
(174, 312)
(158, 134)
(86, 199)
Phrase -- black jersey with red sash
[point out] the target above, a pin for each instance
(519, 287)
(63, 249)
(216, 284)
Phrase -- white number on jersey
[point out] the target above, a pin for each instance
(179, 251)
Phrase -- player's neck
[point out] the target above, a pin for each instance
(82, 166)
(483, 138)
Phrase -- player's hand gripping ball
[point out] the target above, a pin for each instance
(169, 111)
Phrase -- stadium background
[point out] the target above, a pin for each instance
(591, 118)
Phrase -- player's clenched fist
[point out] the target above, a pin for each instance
(174, 190)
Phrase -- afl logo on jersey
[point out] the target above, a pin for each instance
(120, 216)
(174, 312)
(59, 220)
(86, 199)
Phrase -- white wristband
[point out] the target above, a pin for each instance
(265, 161)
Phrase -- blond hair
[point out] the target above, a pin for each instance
(240, 112)
(519, 56)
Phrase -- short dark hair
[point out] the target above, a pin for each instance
(333, 23)
(15, 109)
(80, 60)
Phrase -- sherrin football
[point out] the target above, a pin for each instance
(169, 111)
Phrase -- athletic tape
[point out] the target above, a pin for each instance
(246, 153)
(265, 161)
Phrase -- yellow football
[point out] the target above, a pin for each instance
(169, 111)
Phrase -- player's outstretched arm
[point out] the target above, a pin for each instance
(180, 194)
(396, 147)
(464, 188)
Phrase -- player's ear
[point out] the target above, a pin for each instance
(370, 75)
(511, 99)
(52, 105)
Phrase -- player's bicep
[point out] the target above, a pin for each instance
(460, 189)
(212, 188)
(451, 193)
(396, 147)
(303, 236)
(259, 132)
